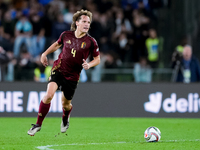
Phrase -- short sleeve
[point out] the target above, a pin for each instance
(18, 25)
(95, 48)
(60, 40)
(27, 27)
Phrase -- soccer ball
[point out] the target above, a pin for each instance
(152, 134)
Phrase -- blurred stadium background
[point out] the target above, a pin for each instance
(122, 28)
(136, 38)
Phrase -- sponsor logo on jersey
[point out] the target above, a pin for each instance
(83, 45)
(69, 42)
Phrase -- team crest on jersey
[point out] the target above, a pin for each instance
(69, 42)
(83, 45)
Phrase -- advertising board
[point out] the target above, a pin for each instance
(22, 99)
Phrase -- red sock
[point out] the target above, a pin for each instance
(66, 114)
(43, 110)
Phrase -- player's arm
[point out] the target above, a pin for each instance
(50, 50)
(93, 63)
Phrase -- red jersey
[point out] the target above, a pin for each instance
(70, 60)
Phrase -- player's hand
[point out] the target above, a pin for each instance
(44, 60)
(85, 65)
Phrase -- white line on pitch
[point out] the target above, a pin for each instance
(48, 147)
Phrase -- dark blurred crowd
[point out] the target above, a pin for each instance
(125, 30)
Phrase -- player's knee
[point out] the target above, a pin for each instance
(47, 99)
(50, 96)
(67, 105)
(66, 102)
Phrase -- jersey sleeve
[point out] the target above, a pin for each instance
(60, 40)
(94, 48)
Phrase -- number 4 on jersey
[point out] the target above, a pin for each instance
(73, 52)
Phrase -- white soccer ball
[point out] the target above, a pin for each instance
(152, 134)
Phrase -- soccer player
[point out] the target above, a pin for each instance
(77, 46)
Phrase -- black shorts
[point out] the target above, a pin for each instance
(68, 87)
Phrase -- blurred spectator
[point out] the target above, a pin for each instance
(41, 73)
(142, 71)
(59, 26)
(106, 30)
(23, 32)
(122, 24)
(3, 56)
(6, 65)
(177, 56)
(38, 39)
(124, 48)
(96, 72)
(128, 12)
(10, 67)
(25, 67)
(83, 76)
(188, 68)
(152, 45)
(179, 49)
(140, 34)
(8, 26)
(47, 26)
(111, 60)
(95, 27)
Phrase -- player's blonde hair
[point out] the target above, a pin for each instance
(77, 17)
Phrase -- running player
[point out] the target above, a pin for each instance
(77, 46)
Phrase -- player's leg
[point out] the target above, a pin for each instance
(46, 102)
(44, 107)
(67, 107)
(68, 90)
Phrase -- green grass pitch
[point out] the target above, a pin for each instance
(100, 134)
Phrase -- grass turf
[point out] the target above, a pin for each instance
(99, 134)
